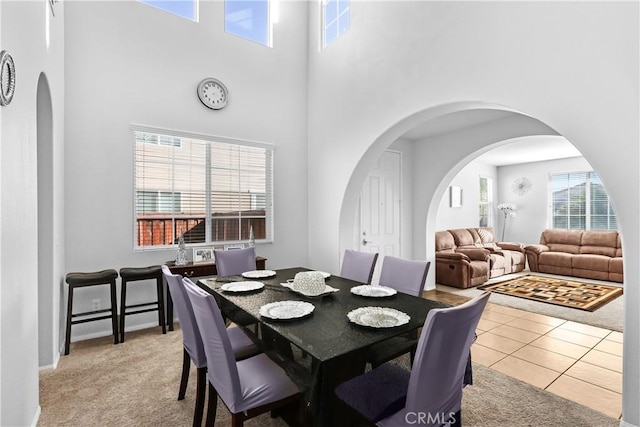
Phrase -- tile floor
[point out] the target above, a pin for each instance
(578, 362)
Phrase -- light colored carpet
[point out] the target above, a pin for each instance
(609, 316)
(136, 384)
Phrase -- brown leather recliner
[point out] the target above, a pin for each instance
(460, 267)
(478, 246)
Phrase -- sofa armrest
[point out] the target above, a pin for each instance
(533, 252)
(536, 249)
(452, 256)
(511, 246)
(475, 254)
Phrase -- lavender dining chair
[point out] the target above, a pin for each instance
(193, 351)
(235, 261)
(248, 387)
(393, 396)
(405, 276)
(358, 265)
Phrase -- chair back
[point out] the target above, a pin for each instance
(436, 381)
(358, 265)
(235, 261)
(222, 369)
(190, 334)
(404, 275)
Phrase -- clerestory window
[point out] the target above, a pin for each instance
(185, 8)
(336, 19)
(250, 19)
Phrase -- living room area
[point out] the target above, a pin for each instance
(539, 326)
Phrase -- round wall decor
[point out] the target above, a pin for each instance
(521, 186)
(7, 78)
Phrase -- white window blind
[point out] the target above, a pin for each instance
(210, 190)
(580, 202)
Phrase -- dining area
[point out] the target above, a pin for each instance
(317, 349)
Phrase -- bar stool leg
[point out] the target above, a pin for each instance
(123, 299)
(67, 338)
(160, 291)
(114, 312)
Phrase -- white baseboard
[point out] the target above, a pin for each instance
(36, 417)
(108, 332)
(626, 424)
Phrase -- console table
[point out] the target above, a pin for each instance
(198, 269)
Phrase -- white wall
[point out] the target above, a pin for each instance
(130, 63)
(534, 206)
(466, 215)
(570, 65)
(23, 33)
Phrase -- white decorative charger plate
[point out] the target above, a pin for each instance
(378, 317)
(327, 290)
(258, 274)
(286, 310)
(374, 291)
(242, 286)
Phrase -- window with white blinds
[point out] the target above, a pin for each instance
(580, 202)
(211, 190)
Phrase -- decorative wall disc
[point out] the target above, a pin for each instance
(521, 186)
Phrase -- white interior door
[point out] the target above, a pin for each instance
(380, 209)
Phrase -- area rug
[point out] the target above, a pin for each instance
(567, 293)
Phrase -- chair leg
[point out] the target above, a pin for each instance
(123, 302)
(186, 365)
(201, 390)
(161, 315)
(212, 406)
(114, 313)
(237, 420)
(67, 338)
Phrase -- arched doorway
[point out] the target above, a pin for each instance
(46, 322)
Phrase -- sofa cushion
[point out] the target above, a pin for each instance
(444, 241)
(557, 259)
(562, 240)
(591, 262)
(463, 237)
(599, 242)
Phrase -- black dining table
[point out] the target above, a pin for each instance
(336, 348)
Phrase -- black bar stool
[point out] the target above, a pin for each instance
(78, 280)
(132, 274)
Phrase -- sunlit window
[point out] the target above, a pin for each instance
(248, 19)
(335, 19)
(210, 191)
(580, 202)
(185, 8)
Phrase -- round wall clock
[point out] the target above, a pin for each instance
(213, 93)
(7, 78)
(521, 186)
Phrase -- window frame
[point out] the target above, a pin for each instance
(324, 24)
(586, 205)
(271, 9)
(268, 195)
(488, 204)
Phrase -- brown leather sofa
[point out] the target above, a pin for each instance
(589, 254)
(467, 257)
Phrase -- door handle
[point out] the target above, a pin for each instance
(365, 241)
